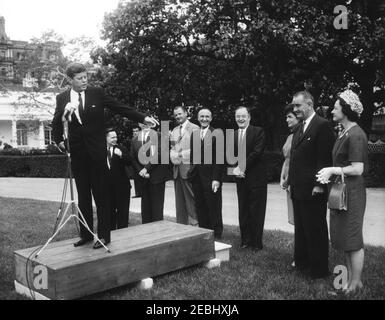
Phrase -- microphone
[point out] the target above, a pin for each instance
(68, 111)
(65, 130)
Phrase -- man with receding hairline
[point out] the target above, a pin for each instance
(310, 152)
(251, 180)
(206, 178)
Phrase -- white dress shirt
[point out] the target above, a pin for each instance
(183, 127)
(74, 98)
(203, 132)
(110, 150)
(241, 134)
(144, 135)
(307, 121)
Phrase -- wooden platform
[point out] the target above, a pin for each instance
(62, 271)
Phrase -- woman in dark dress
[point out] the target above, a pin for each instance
(292, 123)
(350, 159)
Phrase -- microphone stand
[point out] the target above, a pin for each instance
(75, 210)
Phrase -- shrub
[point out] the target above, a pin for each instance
(54, 166)
(47, 166)
(375, 177)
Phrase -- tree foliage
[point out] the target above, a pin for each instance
(222, 53)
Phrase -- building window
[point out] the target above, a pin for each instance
(47, 135)
(3, 72)
(22, 134)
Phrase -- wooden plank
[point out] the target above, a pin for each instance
(29, 293)
(26, 272)
(81, 280)
(70, 255)
(79, 258)
(59, 250)
(138, 252)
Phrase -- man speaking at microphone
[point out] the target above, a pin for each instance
(83, 107)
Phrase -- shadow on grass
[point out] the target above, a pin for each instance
(247, 276)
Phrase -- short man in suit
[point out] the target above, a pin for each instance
(146, 147)
(310, 152)
(137, 179)
(118, 184)
(206, 178)
(180, 157)
(251, 180)
(83, 107)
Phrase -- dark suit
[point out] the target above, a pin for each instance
(118, 187)
(252, 190)
(208, 204)
(87, 143)
(310, 152)
(153, 188)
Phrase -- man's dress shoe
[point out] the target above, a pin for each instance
(98, 245)
(82, 242)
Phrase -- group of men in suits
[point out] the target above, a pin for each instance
(198, 183)
(98, 165)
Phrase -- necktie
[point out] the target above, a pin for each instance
(81, 107)
(240, 138)
(302, 129)
(109, 157)
(180, 133)
(202, 134)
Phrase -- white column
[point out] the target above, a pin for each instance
(41, 135)
(14, 134)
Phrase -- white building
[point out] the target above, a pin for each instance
(25, 118)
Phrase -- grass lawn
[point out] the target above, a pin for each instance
(264, 275)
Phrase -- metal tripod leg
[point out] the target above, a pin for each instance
(72, 203)
(62, 224)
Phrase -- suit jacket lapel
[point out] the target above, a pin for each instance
(306, 133)
(86, 103)
(185, 130)
(67, 95)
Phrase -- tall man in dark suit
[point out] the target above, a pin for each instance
(83, 106)
(310, 152)
(207, 177)
(251, 180)
(118, 183)
(146, 160)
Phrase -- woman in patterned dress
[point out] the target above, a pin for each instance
(350, 159)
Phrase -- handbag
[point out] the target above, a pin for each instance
(338, 199)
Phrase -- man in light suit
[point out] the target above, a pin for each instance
(180, 157)
(251, 180)
(146, 146)
(206, 178)
(310, 152)
(119, 185)
(83, 107)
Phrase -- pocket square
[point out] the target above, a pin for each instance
(308, 139)
(93, 106)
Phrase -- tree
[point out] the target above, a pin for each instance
(42, 72)
(223, 53)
